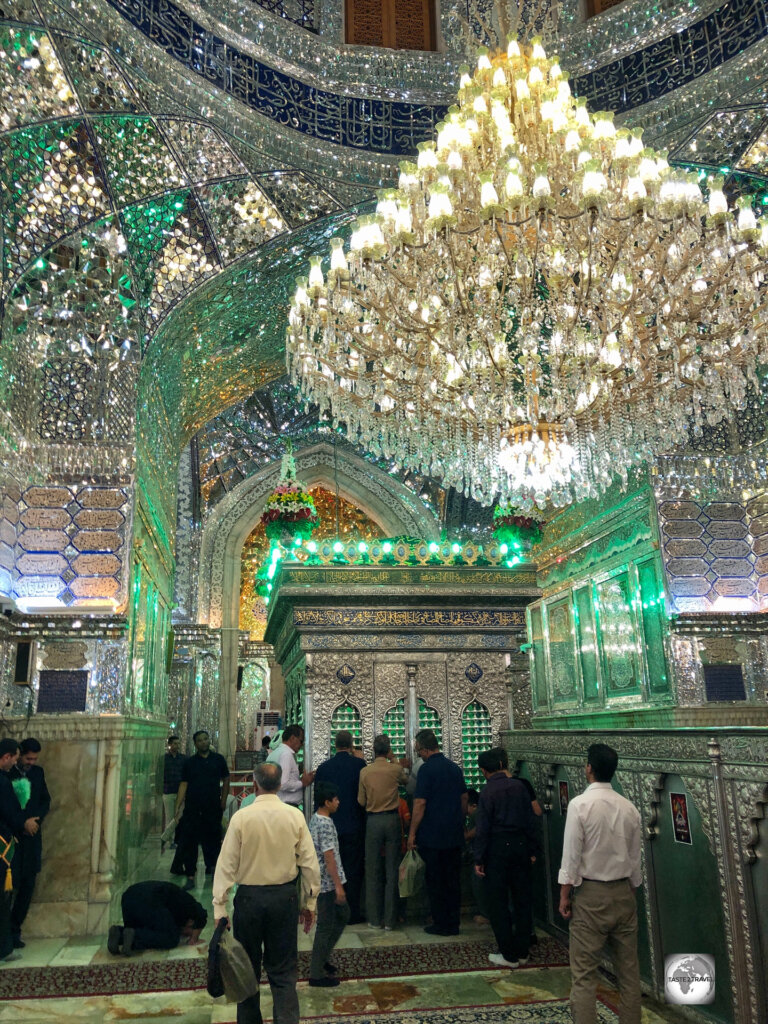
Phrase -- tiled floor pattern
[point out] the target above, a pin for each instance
(381, 995)
(476, 988)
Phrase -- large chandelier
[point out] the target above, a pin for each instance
(542, 303)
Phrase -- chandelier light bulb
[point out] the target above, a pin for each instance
(541, 305)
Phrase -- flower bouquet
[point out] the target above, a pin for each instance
(289, 510)
(516, 531)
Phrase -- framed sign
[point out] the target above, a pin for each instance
(61, 691)
(681, 826)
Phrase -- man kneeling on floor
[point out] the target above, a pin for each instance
(156, 915)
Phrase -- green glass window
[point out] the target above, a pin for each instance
(346, 716)
(476, 736)
(393, 725)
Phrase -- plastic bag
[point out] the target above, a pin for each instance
(169, 831)
(411, 874)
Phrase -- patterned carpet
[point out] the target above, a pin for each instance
(145, 975)
(551, 1012)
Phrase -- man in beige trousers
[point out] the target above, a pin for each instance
(601, 860)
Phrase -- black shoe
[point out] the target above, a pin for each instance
(128, 938)
(323, 982)
(115, 939)
(534, 940)
(189, 885)
(18, 942)
(432, 929)
(209, 871)
(331, 968)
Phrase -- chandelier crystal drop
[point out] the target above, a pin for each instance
(541, 304)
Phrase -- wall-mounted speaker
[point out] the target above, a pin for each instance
(25, 662)
(239, 678)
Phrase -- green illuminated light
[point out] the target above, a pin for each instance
(338, 546)
(386, 547)
(362, 547)
(455, 548)
(433, 547)
(503, 548)
(311, 547)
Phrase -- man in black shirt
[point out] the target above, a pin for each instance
(506, 845)
(204, 798)
(155, 916)
(171, 767)
(28, 781)
(343, 770)
(437, 828)
(13, 823)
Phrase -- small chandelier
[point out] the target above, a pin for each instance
(541, 304)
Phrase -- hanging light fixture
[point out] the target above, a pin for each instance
(542, 304)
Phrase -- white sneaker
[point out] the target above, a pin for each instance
(377, 927)
(523, 961)
(498, 959)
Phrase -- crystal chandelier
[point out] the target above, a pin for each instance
(542, 304)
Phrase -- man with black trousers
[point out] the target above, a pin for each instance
(437, 830)
(506, 845)
(156, 915)
(203, 793)
(14, 822)
(28, 781)
(266, 847)
(343, 771)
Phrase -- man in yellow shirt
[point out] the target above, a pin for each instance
(265, 844)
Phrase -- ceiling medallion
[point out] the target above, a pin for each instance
(542, 304)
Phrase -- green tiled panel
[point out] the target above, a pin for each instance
(653, 626)
(618, 640)
(536, 634)
(562, 657)
(587, 640)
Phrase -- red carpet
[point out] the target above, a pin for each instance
(145, 975)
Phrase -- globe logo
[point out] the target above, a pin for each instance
(689, 979)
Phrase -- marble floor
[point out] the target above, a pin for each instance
(471, 988)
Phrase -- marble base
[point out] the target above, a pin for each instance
(105, 815)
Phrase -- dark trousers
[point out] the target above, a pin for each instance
(443, 881)
(26, 864)
(332, 918)
(351, 851)
(508, 875)
(154, 926)
(23, 888)
(6, 937)
(381, 896)
(265, 922)
(197, 828)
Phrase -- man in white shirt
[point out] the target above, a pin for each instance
(601, 859)
(284, 755)
(266, 845)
